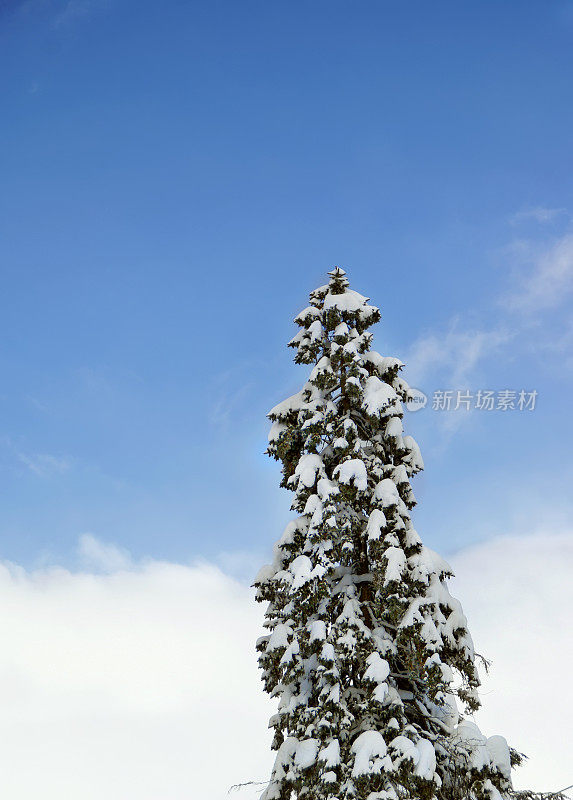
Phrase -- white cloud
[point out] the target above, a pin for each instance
(517, 593)
(142, 683)
(137, 685)
(547, 279)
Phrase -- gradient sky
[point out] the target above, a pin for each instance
(177, 176)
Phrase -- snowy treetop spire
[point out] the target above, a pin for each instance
(337, 272)
(335, 313)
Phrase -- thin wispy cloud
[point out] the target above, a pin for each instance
(229, 391)
(538, 214)
(44, 465)
(451, 356)
(545, 277)
(60, 15)
(542, 283)
(561, 345)
(451, 360)
(226, 404)
(75, 11)
(101, 556)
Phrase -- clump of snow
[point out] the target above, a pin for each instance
(325, 488)
(293, 403)
(301, 569)
(369, 753)
(306, 753)
(352, 471)
(394, 427)
(377, 397)
(382, 363)
(317, 629)
(468, 735)
(377, 671)
(395, 564)
(493, 792)
(279, 637)
(376, 521)
(403, 749)
(420, 753)
(378, 668)
(499, 753)
(307, 468)
(330, 754)
(312, 504)
(267, 571)
(310, 312)
(291, 651)
(380, 692)
(315, 330)
(276, 429)
(426, 765)
(349, 301)
(387, 493)
(414, 456)
(341, 330)
(327, 652)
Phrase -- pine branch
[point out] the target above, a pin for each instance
(530, 795)
(485, 662)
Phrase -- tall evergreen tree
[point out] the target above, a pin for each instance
(366, 649)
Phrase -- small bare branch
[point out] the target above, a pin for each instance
(237, 786)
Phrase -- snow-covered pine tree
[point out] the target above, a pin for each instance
(367, 651)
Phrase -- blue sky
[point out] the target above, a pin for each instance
(177, 177)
